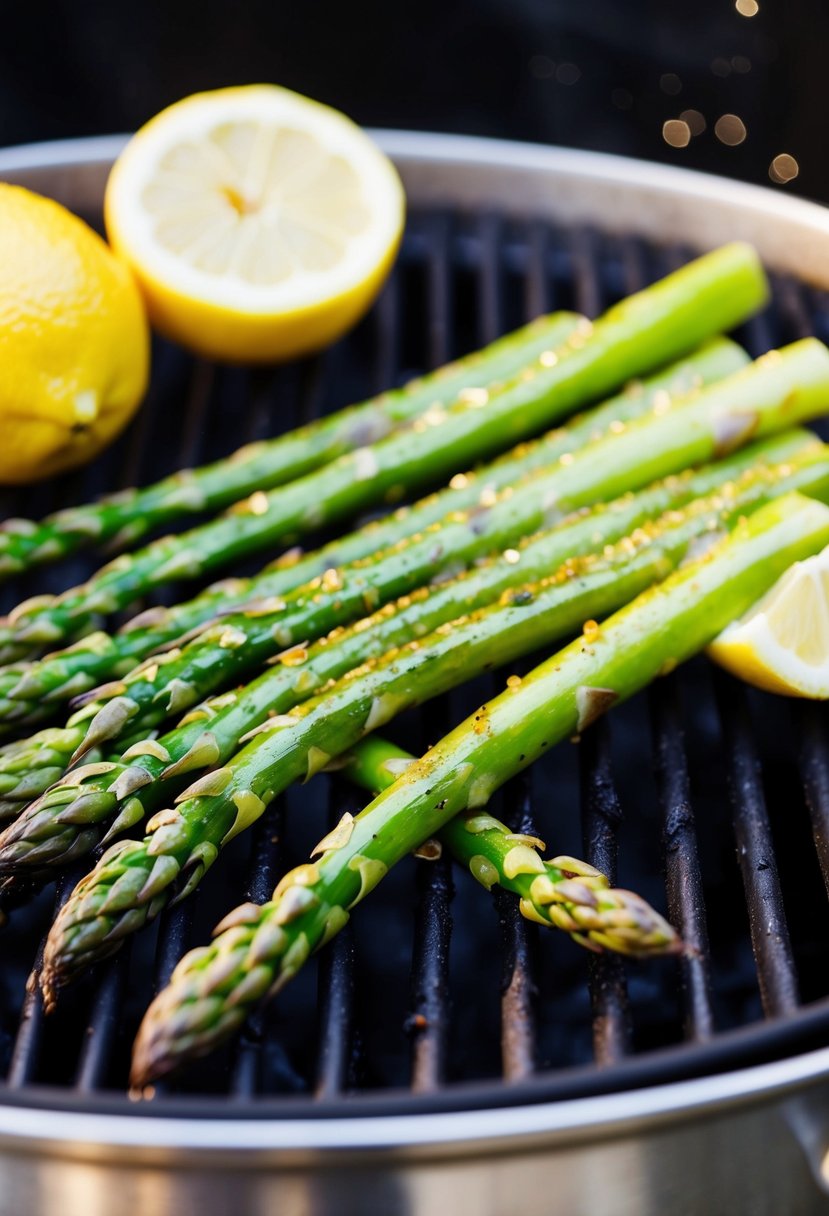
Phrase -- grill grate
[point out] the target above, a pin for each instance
(436, 994)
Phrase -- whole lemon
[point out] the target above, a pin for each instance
(74, 340)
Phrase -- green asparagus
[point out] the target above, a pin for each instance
(782, 388)
(92, 797)
(34, 691)
(261, 948)
(582, 904)
(643, 332)
(124, 518)
(136, 879)
(116, 794)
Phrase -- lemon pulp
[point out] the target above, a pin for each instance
(782, 644)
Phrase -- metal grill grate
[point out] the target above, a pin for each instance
(437, 994)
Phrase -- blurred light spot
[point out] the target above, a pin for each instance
(696, 121)
(747, 8)
(622, 99)
(730, 129)
(568, 73)
(783, 168)
(720, 67)
(741, 64)
(676, 133)
(670, 83)
(542, 67)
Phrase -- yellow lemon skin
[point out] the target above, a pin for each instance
(214, 318)
(743, 661)
(74, 340)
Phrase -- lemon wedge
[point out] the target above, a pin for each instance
(259, 224)
(782, 644)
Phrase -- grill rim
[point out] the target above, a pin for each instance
(205, 1141)
(648, 199)
(586, 1083)
(432, 167)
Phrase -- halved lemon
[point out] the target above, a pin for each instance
(259, 224)
(782, 644)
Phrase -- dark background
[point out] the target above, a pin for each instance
(604, 74)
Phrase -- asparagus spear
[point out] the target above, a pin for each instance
(31, 692)
(259, 949)
(126, 517)
(646, 330)
(783, 387)
(583, 904)
(136, 879)
(48, 829)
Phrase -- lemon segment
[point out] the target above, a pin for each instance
(74, 342)
(259, 224)
(782, 644)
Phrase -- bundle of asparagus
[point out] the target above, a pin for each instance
(33, 691)
(135, 880)
(636, 336)
(258, 949)
(508, 558)
(126, 517)
(775, 391)
(103, 798)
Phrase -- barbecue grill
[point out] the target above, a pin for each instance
(443, 1054)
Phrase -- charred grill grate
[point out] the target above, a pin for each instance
(710, 800)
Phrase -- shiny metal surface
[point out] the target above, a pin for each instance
(752, 1141)
(614, 193)
(758, 1150)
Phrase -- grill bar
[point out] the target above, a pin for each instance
(23, 1067)
(337, 985)
(462, 280)
(519, 940)
(755, 854)
(265, 867)
(683, 877)
(428, 1022)
(25, 1059)
(601, 820)
(96, 1052)
(814, 761)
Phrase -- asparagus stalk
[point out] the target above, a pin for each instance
(126, 517)
(257, 950)
(48, 829)
(583, 904)
(32, 692)
(782, 388)
(136, 879)
(641, 333)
